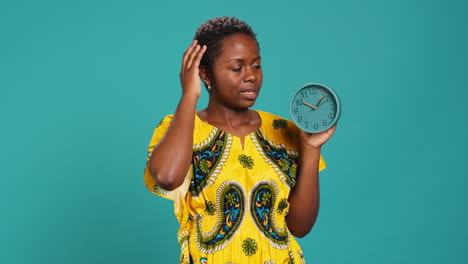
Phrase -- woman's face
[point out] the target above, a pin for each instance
(237, 74)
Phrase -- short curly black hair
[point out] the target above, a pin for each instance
(212, 32)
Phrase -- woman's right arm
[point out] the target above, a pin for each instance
(172, 156)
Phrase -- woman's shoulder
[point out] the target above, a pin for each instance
(279, 129)
(163, 123)
(161, 128)
(275, 122)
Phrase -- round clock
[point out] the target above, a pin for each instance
(315, 108)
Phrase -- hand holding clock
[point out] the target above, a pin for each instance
(316, 141)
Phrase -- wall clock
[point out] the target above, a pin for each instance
(315, 108)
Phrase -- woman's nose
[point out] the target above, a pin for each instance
(250, 75)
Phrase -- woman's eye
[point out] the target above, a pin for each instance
(257, 66)
(237, 69)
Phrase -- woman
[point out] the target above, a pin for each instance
(244, 182)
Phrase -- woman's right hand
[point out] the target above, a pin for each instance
(172, 156)
(189, 73)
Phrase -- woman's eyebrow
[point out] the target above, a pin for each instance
(242, 60)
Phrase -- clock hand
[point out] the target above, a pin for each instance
(313, 107)
(320, 101)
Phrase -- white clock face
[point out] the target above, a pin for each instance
(315, 108)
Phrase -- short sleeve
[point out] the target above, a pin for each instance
(158, 134)
(322, 164)
(295, 140)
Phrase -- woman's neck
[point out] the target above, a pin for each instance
(236, 122)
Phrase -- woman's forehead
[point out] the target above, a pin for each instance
(239, 46)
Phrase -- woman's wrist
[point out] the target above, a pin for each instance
(308, 148)
(190, 96)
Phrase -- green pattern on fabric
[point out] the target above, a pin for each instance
(246, 161)
(280, 123)
(204, 166)
(266, 197)
(209, 208)
(284, 164)
(282, 205)
(249, 246)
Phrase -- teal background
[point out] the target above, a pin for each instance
(84, 83)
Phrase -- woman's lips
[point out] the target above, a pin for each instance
(250, 94)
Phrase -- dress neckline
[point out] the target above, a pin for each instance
(241, 138)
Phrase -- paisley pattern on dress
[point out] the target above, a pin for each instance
(230, 208)
(264, 195)
(208, 159)
(283, 161)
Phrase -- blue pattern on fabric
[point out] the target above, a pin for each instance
(230, 206)
(205, 160)
(263, 200)
(279, 155)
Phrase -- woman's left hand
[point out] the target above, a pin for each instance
(316, 140)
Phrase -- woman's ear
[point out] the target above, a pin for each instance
(205, 76)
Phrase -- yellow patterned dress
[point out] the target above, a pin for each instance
(233, 202)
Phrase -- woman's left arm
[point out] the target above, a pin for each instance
(304, 198)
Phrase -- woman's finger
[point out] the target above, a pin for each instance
(331, 131)
(187, 53)
(198, 57)
(190, 57)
